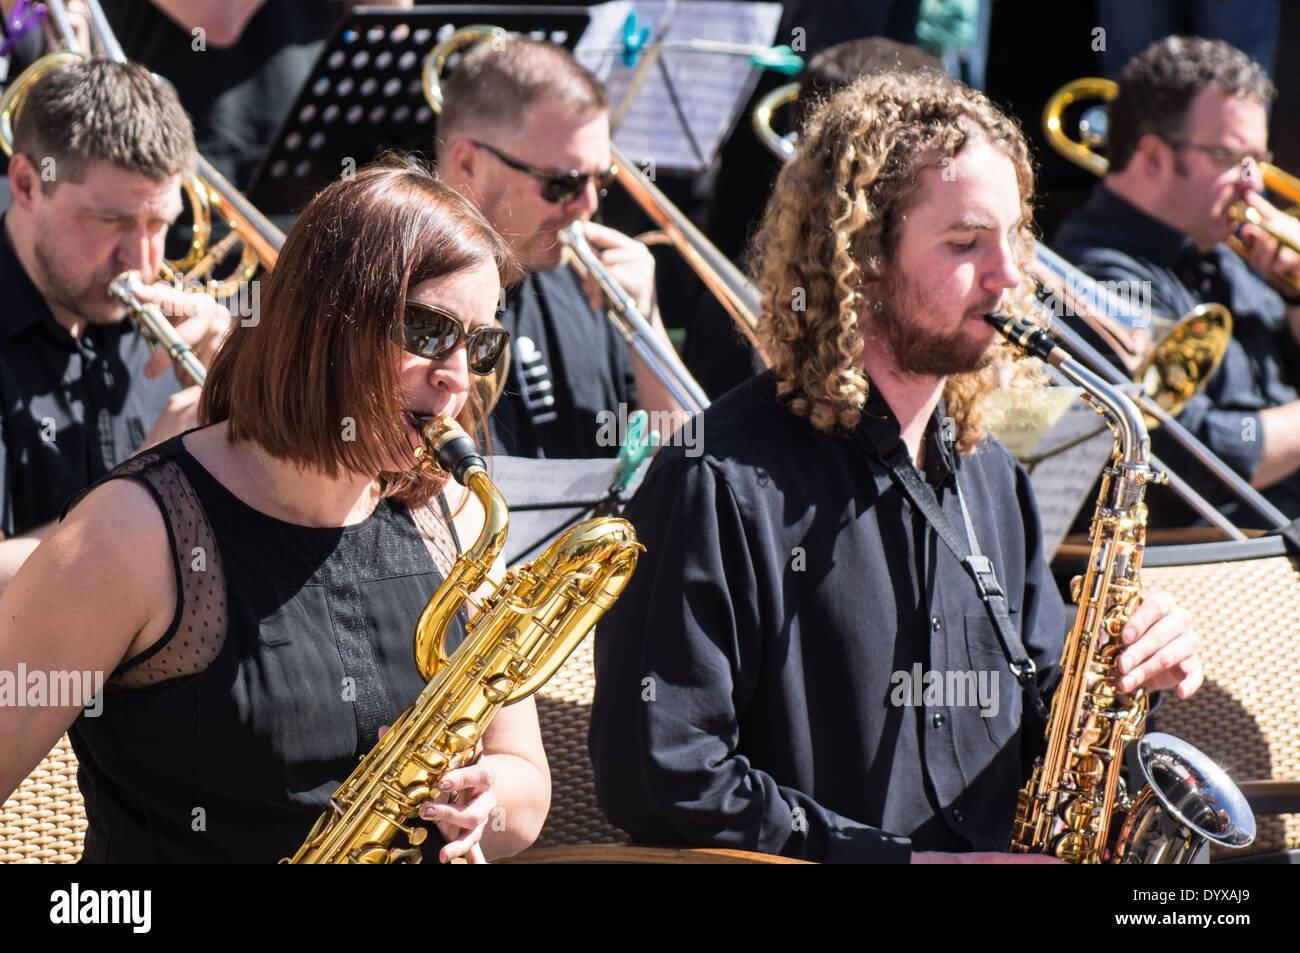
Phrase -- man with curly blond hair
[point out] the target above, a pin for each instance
(799, 665)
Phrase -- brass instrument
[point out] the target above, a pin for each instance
(1075, 805)
(1187, 356)
(522, 633)
(1092, 134)
(783, 147)
(635, 329)
(154, 326)
(735, 292)
(207, 190)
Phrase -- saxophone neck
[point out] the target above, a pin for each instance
(450, 449)
(1133, 444)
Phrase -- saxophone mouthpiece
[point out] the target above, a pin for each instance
(447, 447)
(1027, 336)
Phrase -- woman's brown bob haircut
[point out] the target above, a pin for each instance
(313, 378)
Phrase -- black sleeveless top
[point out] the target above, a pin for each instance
(290, 647)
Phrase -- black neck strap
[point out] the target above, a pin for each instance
(879, 440)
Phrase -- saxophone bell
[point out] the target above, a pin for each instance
(1187, 800)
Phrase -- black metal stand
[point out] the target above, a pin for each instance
(364, 94)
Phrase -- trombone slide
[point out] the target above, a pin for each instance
(154, 326)
(633, 326)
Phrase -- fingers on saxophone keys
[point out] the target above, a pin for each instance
(1163, 657)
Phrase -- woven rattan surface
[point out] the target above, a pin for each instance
(45, 821)
(1247, 714)
(564, 710)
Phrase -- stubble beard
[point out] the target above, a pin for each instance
(81, 299)
(916, 350)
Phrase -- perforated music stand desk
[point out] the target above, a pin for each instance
(364, 93)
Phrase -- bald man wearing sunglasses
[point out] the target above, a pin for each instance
(524, 134)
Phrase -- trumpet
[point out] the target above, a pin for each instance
(1092, 134)
(737, 294)
(154, 326)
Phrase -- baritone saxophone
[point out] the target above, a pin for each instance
(1075, 805)
(522, 633)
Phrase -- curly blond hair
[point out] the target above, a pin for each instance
(831, 227)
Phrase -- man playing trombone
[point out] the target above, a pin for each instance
(524, 133)
(99, 152)
(1188, 131)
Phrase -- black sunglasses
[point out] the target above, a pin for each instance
(557, 187)
(433, 333)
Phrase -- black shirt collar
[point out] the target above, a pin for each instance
(1163, 246)
(23, 305)
(940, 459)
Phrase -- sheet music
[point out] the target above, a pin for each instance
(708, 90)
(1062, 478)
(526, 482)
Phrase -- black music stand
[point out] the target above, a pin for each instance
(364, 93)
(546, 497)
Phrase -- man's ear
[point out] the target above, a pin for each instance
(24, 181)
(461, 165)
(1155, 155)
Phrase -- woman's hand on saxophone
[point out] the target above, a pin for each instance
(462, 808)
(1160, 648)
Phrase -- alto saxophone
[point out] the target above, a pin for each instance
(523, 632)
(1074, 804)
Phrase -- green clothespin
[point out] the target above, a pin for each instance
(779, 59)
(633, 40)
(638, 443)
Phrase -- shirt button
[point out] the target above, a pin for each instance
(957, 815)
(935, 623)
(939, 719)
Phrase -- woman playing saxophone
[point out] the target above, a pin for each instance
(246, 593)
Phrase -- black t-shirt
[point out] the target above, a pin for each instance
(237, 96)
(70, 408)
(570, 371)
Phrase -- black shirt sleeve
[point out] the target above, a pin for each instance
(677, 659)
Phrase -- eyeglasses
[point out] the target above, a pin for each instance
(1222, 156)
(433, 333)
(557, 187)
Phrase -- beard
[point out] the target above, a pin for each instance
(918, 351)
(85, 297)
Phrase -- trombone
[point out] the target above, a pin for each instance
(210, 194)
(1092, 134)
(734, 291)
(633, 326)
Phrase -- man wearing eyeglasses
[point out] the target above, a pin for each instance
(1187, 134)
(524, 133)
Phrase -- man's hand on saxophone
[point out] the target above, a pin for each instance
(1161, 648)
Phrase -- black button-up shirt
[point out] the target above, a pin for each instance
(763, 682)
(70, 408)
(1112, 240)
(570, 371)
